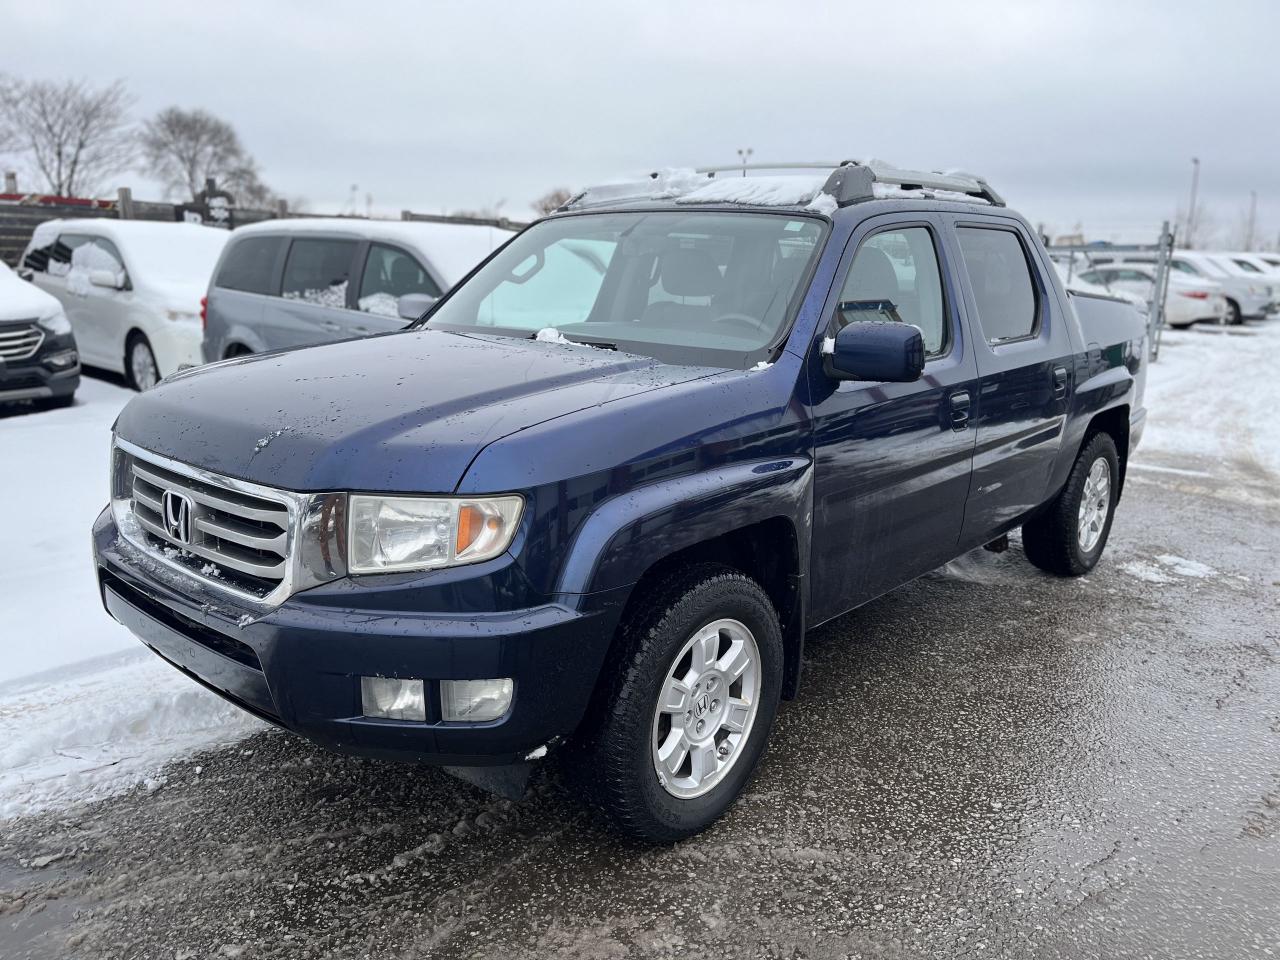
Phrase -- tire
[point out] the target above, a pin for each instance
(1233, 318)
(1059, 539)
(140, 368)
(237, 350)
(616, 760)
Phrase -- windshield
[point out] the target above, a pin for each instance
(683, 287)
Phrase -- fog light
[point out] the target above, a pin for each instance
(474, 700)
(392, 699)
(66, 358)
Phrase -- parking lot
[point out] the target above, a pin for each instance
(986, 762)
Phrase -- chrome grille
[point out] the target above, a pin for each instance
(224, 535)
(19, 341)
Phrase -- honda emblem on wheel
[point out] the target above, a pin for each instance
(177, 516)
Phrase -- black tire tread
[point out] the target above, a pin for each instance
(606, 775)
(1050, 539)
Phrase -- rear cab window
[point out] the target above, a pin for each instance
(1004, 291)
(250, 265)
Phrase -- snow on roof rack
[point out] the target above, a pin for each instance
(850, 181)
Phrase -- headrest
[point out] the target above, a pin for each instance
(689, 273)
(872, 277)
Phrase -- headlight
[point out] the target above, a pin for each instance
(419, 533)
(56, 323)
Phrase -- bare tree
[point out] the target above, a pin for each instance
(552, 200)
(184, 148)
(74, 135)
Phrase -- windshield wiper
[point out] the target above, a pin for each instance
(598, 344)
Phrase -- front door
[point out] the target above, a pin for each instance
(1024, 357)
(893, 460)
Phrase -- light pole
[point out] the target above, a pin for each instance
(1191, 210)
(744, 154)
(1253, 218)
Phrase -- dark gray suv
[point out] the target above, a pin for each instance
(289, 283)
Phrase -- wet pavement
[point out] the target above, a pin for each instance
(989, 762)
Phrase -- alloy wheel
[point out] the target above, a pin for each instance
(706, 708)
(1095, 504)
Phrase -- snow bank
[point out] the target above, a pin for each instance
(1214, 392)
(85, 710)
(86, 732)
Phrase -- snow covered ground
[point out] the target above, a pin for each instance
(84, 708)
(86, 711)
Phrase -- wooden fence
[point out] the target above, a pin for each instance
(21, 213)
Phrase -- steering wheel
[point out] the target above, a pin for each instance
(754, 322)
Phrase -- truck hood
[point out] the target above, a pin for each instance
(405, 412)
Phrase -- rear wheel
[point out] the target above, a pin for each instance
(1233, 317)
(140, 363)
(683, 720)
(1069, 536)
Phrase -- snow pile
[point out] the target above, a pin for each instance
(87, 732)
(552, 335)
(334, 296)
(380, 304)
(85, 709)
(762, 191)
(1214, 392)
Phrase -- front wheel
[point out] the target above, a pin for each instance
(1233, 317)
(1068, 537)
(679, 729)
(140, 364)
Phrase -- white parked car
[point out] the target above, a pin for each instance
(130, 288)
(1190, 299)
(1077, 282)
(1265, 264)
(38, 359)
(1247, 297)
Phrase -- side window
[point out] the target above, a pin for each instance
(1183, 267)
(894, 276)
(317, 271)
(389, 274)
(250, 265)
(55, 258)
(1001, 280)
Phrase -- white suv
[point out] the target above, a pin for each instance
(130, 288)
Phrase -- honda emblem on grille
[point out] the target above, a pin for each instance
(177, 516)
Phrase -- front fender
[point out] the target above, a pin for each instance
(625, 535)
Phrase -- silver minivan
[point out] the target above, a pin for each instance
(290, 283)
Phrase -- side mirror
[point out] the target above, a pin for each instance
(106, 278)
(885, 352)
(413, 305)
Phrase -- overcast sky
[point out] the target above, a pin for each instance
(1077, 112)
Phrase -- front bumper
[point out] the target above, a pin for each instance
(36, 377)
(298, 665)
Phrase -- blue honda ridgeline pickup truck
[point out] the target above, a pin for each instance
(595, 497)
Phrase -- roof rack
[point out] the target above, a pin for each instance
(850, 181)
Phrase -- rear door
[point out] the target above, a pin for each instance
(892, 459)
(1024, 358)
(315, 293)
(248, 275)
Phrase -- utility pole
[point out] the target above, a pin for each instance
(1253, 219)
(744, 154)
(1191, 210)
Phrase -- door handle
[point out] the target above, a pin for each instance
(1059, 382)
(960, 410)
(330, 325)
